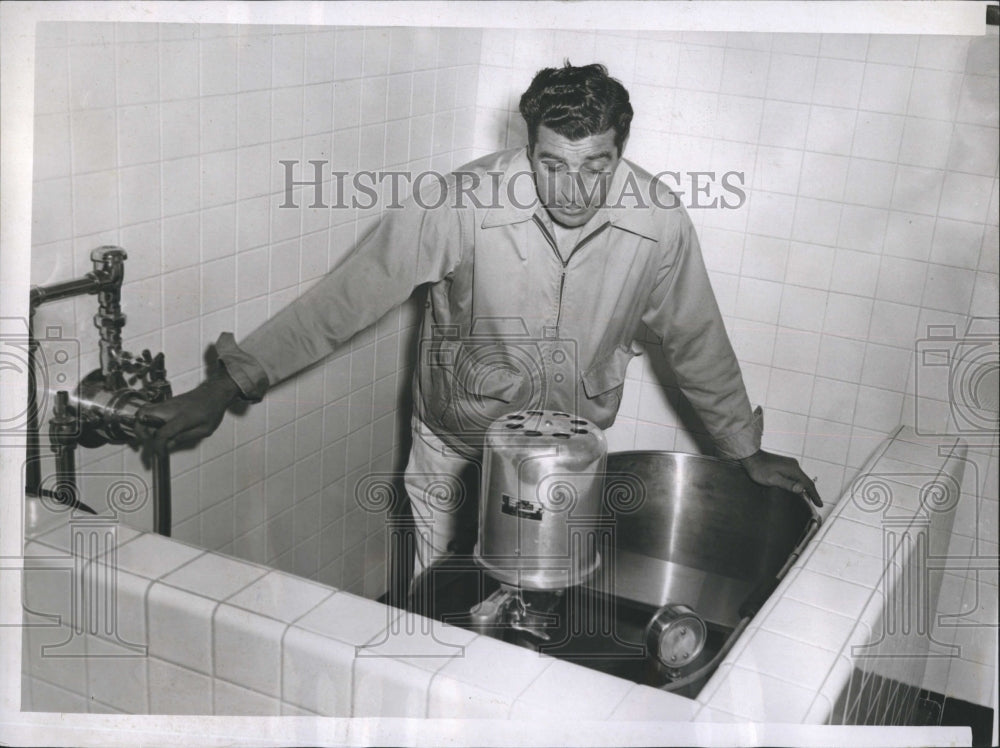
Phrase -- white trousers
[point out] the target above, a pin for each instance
(443, 488)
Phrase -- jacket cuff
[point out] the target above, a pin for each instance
(242, 368)
(744, 442)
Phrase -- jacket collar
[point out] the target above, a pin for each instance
(630, 208)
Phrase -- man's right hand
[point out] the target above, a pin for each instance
(188, 417)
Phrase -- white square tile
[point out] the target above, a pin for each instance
(117, 676)
(886, 367)
(791, 77)
(180, 627)
(758, 300)
(909, 235)
(844, 46)
(92, 76)
(218, 178)
(823, 176)
(253, 67)
(829, 593)
(753, 341)
(745, 71)
(152, 556)
(247, 649)
(900, 49)
(178, 192)
(179, 69)
(854, 272)
(139, 187)
(838, 82)
(760, 697)
(830, 129)
(862, 228)
(279, 596)
(901, 280)
(175, 690)
(796, 350)
(925, 143)
(214, 576)
(965, 197)
(878, 409)
(802, 664)
(803, 309)
(934, 94)
(234, 700)
(816, 221)
(40, 643)
(808, 623)
(878, 136)
(218, 65)
(827, 440)
(973, 149)
(376, 52)
(833, 399)
(949, 289)
(870, 183)
(488, 667)
(95, 203)
(94, 139)
(565, 690)
(784, 124)
(847, 316)
(643, 703)
(316, 673)
(850, 565)
(137, 66)
(809, 265)
(893, 324)
(52, 79)
(347, 618)
(886, 88)
(957, 243)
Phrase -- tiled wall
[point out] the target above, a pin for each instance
(165, 139)
(870, 167)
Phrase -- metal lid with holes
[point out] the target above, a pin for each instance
(540, 499)
(576, 439)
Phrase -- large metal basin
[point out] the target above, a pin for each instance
(697, 530)
(675, 530)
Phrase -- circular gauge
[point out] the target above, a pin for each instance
(676, 635)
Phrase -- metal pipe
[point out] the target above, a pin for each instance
(90, 283)
(33, 451)
(161, 493)
(62, 432)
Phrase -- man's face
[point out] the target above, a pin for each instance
(572, 176)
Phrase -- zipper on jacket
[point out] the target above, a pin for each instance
(565, 263)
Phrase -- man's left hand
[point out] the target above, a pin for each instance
(784, 472)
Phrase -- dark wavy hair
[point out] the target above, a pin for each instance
(576, 102)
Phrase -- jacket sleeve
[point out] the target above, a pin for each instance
(682, 309)
(415, 244)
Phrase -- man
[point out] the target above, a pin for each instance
(542, 263)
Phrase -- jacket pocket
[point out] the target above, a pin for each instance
(489, 372)
(608, 374)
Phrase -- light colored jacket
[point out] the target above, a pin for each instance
(508, 324)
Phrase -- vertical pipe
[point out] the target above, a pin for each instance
(161, 493)
(33, 466)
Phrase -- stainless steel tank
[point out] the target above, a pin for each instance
(541, 498)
